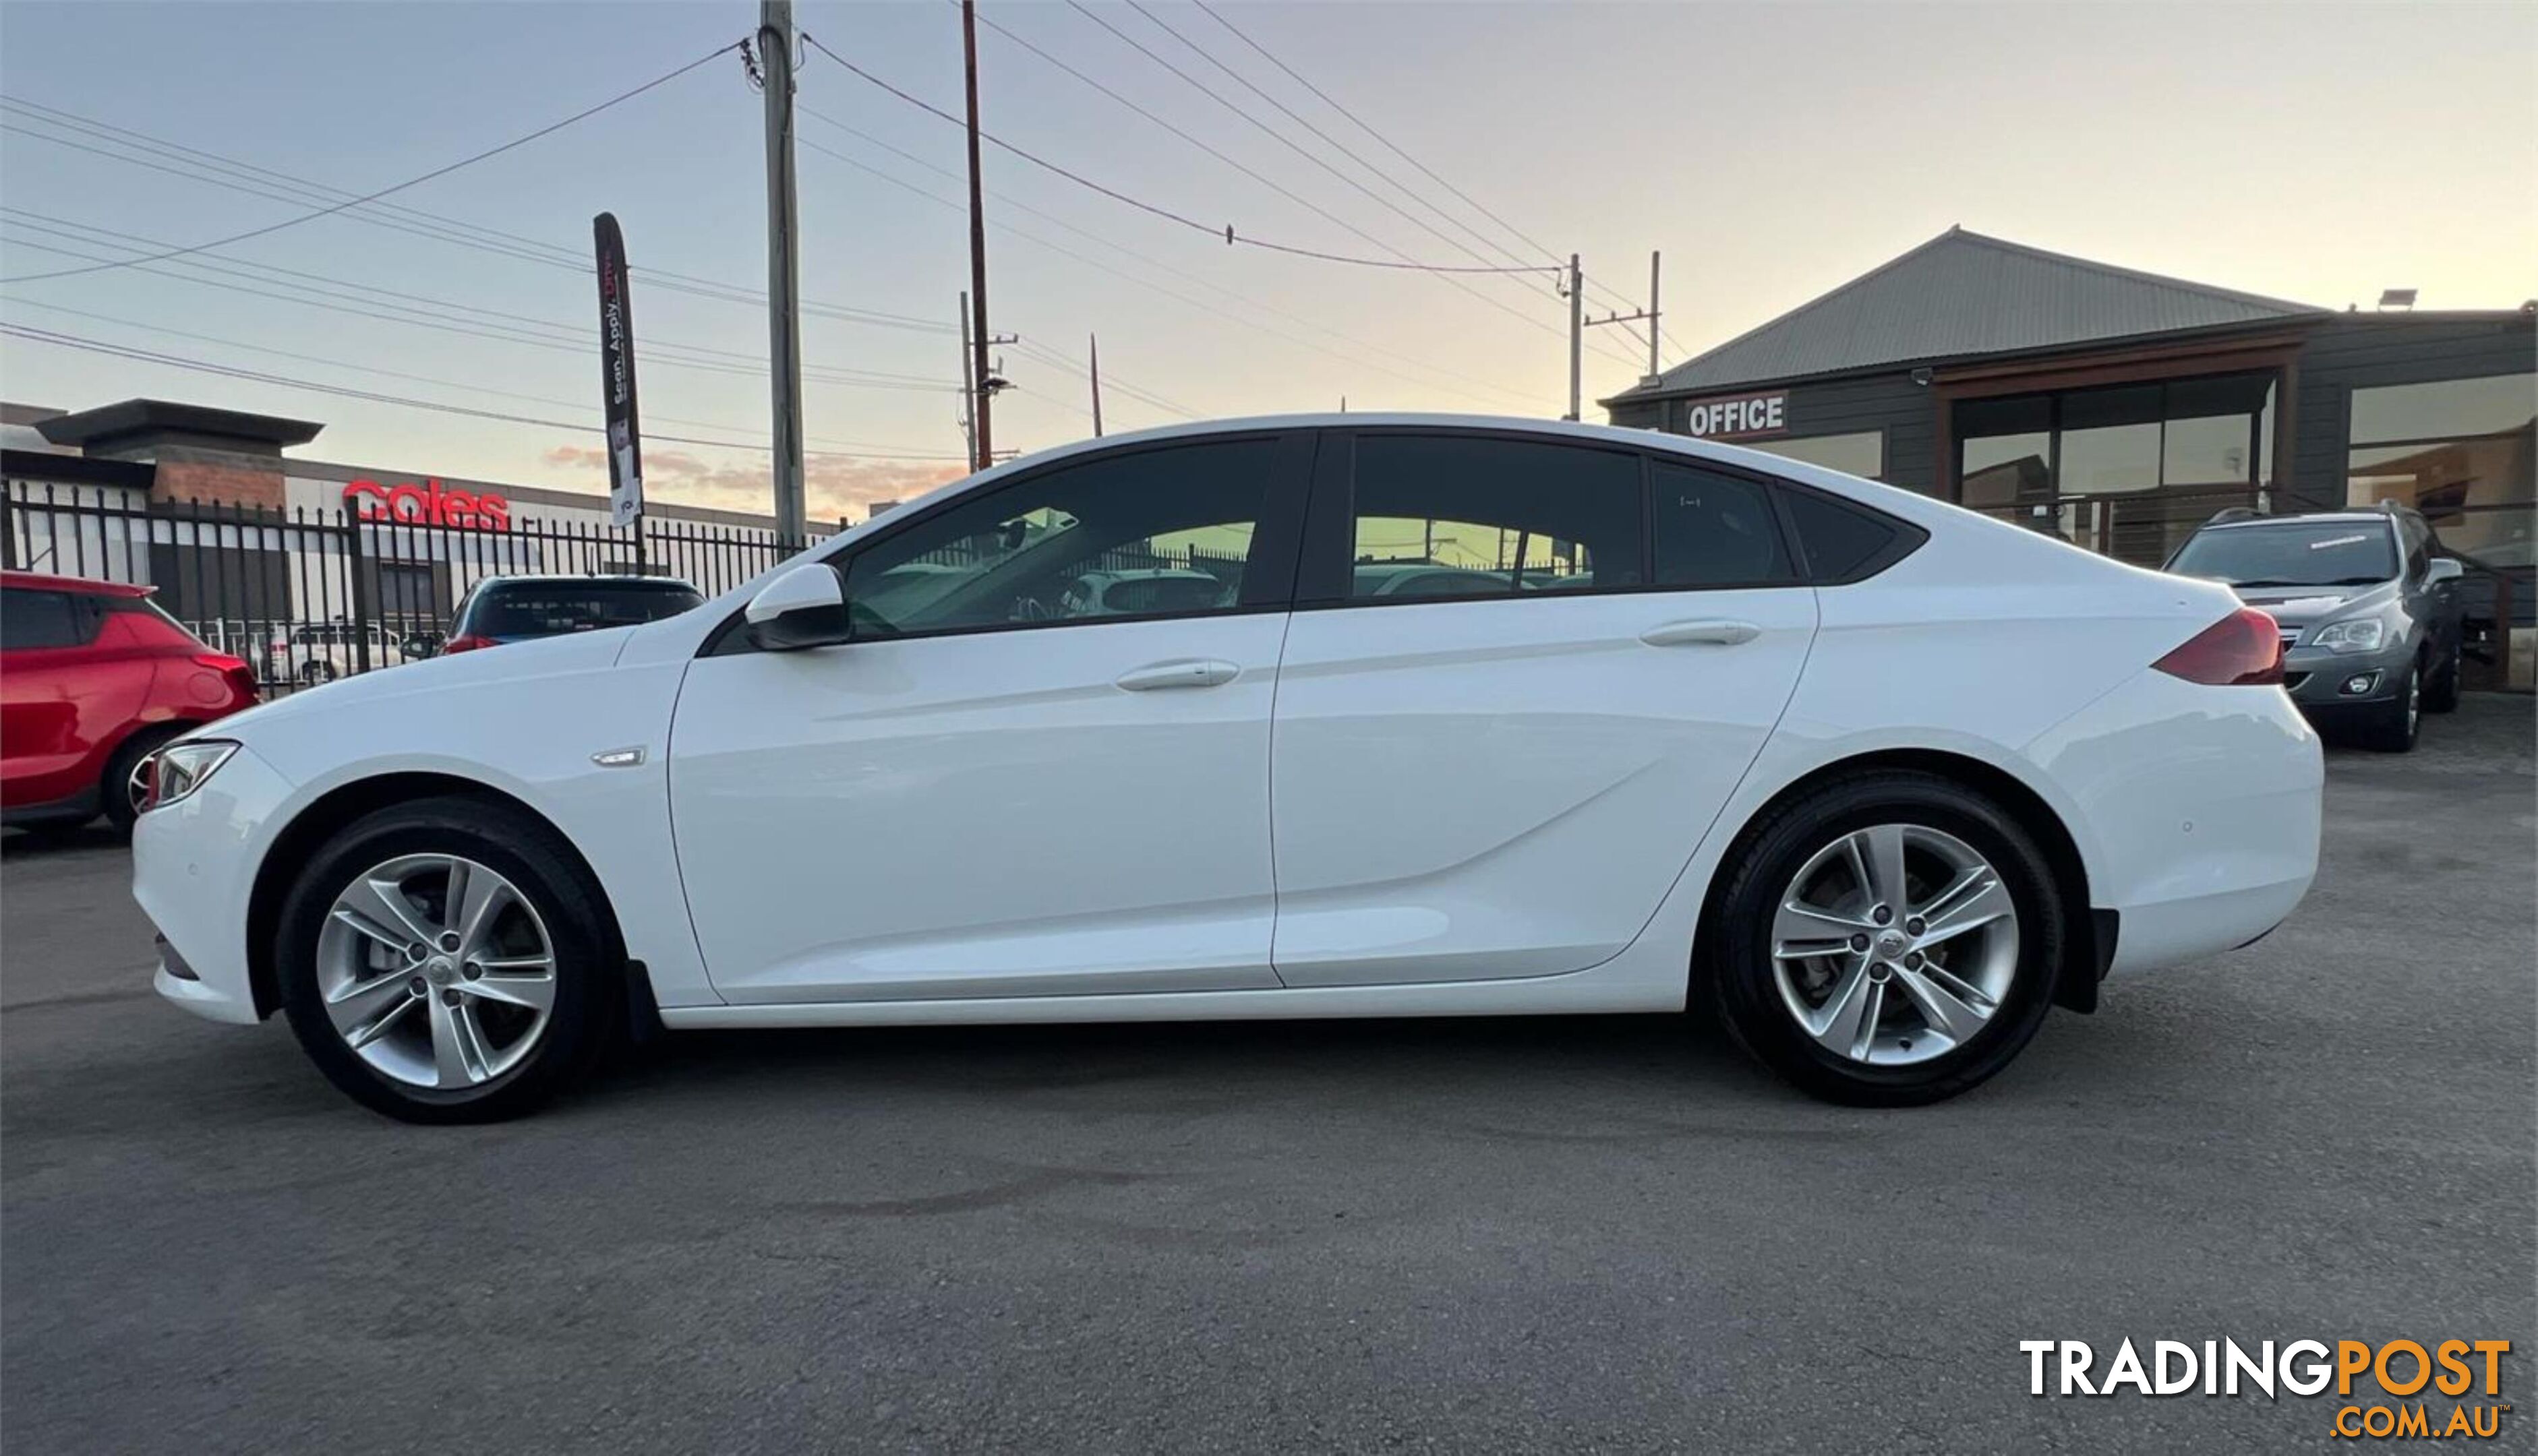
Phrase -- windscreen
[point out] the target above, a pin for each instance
(2292, 554)
(536, 610)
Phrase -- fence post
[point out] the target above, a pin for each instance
(360, 610)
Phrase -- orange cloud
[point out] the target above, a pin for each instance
(836, 485)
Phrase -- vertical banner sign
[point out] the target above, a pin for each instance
(617, 376)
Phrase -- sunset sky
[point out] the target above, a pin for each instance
(2315, 152)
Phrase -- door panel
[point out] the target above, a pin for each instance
(982, 814)
(1484, 789)
(1041, 764)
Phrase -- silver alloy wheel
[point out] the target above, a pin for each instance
(136, 785)
(1895, 944)
(437, 970)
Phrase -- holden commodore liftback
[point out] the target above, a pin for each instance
(1479, 717)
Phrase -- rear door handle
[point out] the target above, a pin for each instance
(1708, 633)
(1187, 672)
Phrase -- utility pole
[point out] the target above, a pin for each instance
(1649, 314)
(968, 388)
(784, 269)
(1576, 338)
(979, 335)
(1093, 344)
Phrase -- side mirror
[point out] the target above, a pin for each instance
(421, 644)
(2444, 568)
(806, 607)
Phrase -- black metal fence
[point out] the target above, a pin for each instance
(306, 596)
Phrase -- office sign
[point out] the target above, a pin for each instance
(1750, 417)
(617, 376)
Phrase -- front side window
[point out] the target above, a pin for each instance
(40, 618)
(1466, 516)
(1157, 532)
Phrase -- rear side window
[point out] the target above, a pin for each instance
(42, 619)
(537, 610)
(1465, 516)
(1714, 530)
(1842, 542)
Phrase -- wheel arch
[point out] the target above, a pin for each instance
(2092, 932)
(340, 806)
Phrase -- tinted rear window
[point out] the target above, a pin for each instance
(40, 618)
(533, 611)
(1837, 540)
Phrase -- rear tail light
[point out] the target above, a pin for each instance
(2241, 649)
(467, 643)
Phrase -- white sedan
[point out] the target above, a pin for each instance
(1876, 779)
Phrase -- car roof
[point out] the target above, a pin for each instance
(40, 581)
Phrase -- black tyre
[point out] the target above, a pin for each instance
(1868, 994)
(2394, 725)
(449, 960)
(120, 787)
(2441, 693)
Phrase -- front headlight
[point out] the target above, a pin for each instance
(180, 768)
(2363, 634)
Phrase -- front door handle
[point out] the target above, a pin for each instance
(1187, 672)
(1707, 632)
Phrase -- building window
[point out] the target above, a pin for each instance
(2129, 470)
(2460, 451)
(1862, 454)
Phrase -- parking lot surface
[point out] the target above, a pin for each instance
(1571, 1233)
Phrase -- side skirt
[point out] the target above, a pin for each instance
(1579, 993)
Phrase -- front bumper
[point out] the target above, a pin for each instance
(2325, 682)
(193, 874)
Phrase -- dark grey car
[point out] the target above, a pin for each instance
(2369, 611)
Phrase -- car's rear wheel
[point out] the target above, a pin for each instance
(125, 785)
(1886, 939)
(2393, 726)
(448, 961)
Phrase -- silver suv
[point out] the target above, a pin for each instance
(2370, 611)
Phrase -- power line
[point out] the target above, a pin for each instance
(1157, 263)
(439, 172)
(1363, 126)
(342, 364)
(1159, 22)
(145, 355)
(247, 177)
(1283, 140)
(1139, 280)
(567, 336)
(1228, 232)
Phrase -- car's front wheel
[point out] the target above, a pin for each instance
(2441, 693)
(2394, 725)
(448, 961)
(1885, 939)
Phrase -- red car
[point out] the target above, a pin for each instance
(92, 679)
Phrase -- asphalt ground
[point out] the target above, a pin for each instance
(1558, 1235)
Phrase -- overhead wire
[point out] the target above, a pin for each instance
(415, 181)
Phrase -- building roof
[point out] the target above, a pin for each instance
(1964, 293)
(138, 423)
